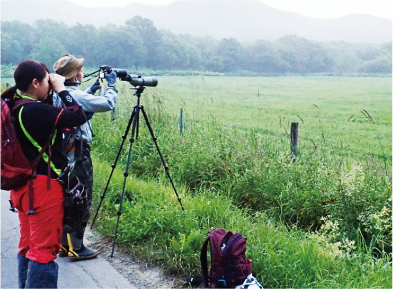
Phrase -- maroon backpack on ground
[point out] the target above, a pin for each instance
(229, 265)
(16, 169)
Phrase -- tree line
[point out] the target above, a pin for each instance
(139, 44)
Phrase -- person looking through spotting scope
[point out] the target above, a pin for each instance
(78, 152)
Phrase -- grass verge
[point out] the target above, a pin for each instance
(154, 227)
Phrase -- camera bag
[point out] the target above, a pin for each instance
(75, 201)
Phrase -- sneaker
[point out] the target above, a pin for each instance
(83, 253)
(63, 251)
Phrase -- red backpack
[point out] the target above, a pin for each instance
(229, 265)
(16, 169)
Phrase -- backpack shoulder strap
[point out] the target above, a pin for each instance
(35, 163)
(40, 155)
(20, 102)
(204, 263)
(216, 238)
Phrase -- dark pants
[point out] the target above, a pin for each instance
(84, 171)
(32, 274)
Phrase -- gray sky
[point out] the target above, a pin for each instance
(313, 8)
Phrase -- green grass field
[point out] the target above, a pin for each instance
(328, 109)
(321, 220)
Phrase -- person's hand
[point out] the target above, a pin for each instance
(57, 82)
(96, 85)
(111, 78)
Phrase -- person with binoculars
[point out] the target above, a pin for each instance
(72, 69)
(40, 202)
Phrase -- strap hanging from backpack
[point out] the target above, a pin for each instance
(217, 238)
(203, 258)
(41, 154)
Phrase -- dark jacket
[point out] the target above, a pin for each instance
(38, 120)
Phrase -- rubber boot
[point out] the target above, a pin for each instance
(23, 264)
(63, 251)
(64, 241)
(83, 253)
(42, 275)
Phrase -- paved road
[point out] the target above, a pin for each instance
(95, 273)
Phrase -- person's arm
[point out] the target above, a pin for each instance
(59, 103)
(92, 89)
(73, 114)
(91, 103)
(70, 117)
(102, 103)
(38, 117)
(67, 99)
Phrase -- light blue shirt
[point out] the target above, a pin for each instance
(89, 103)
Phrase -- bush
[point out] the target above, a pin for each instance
(7, 71)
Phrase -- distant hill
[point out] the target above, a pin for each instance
(242, 20)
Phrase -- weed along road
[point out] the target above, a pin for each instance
(95, 273)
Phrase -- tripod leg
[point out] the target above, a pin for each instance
(159, 152)
(124, 136)
(137, 128)
(134, 126)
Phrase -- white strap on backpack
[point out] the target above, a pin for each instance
(250, 283)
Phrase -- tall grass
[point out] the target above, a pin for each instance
(328, 188)
(154, 228)
(333, 201)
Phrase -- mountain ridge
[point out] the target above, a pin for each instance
(242, 20)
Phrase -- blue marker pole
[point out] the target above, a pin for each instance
(181, 121)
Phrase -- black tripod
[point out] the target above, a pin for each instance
(134, 120)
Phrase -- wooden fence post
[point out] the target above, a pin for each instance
(294, 132)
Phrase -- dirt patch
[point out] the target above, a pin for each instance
(137, 273)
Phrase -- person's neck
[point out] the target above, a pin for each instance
(73, 82)
(28, 94)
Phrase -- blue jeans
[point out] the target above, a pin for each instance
(32, 274)
(23, 264)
